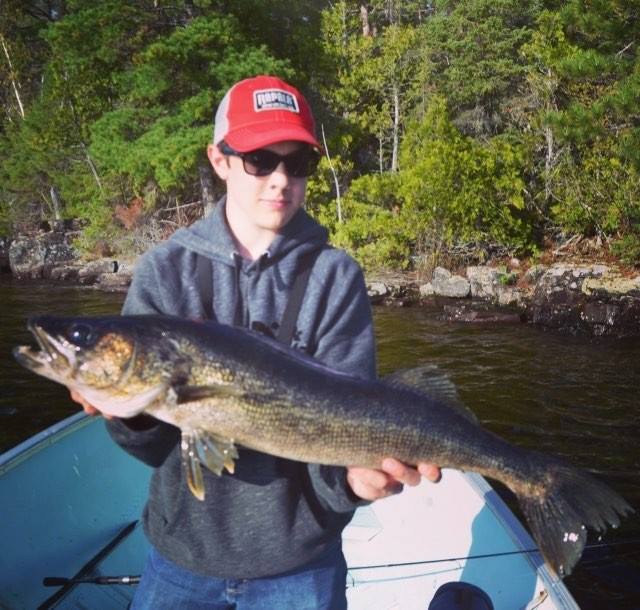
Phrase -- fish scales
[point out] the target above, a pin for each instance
(225, 386)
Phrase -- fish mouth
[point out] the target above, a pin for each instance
(55, 359)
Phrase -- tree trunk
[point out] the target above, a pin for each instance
(55, 205)
(548, 164)
(335, 177)
(91, 165)
(207, 187)
(396, 129)
(14, 82)
(364, 19)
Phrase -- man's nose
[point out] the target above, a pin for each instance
(280, 175)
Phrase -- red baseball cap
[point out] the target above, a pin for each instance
(260, 111)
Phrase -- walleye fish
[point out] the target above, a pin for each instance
(225, 386)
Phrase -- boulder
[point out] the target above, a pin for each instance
(117, 281)
(35, 257)
(475, 312)
(426, 290)
(5, 243)
(592, 299)
(484, 282)
(447, 285)
(91, 271)
(377, 292)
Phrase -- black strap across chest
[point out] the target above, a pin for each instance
(294, 303)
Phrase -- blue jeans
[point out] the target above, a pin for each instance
(320, 585)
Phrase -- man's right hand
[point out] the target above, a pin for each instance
(89, 409)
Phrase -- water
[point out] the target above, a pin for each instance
(572, 396)
(29, 403)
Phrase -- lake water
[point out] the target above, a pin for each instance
(573, 396)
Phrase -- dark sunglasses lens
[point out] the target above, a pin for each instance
(299, 164)
(260, 162)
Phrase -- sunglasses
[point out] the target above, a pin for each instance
(300, 163)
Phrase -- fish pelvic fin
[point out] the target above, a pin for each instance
(203, 448)
(571, 501)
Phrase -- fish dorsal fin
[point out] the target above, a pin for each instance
(213, 451)
(194, 393)
(430, 380)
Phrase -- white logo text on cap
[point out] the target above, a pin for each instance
(274, 99)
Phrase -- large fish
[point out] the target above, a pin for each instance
(225, 386)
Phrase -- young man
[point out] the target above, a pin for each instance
(268, 536)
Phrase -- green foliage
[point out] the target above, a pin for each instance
(598, 193)
(457, 190)
(373, 229)
(160, 132)
(448, 123)
(474, 50)
(372, 80)
(628, 249)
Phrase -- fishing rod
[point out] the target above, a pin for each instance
(595, 545)
(60, 581)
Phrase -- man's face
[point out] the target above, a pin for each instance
(260, 203)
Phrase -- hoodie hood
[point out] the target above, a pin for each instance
(211, 237)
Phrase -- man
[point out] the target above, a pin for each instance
(269, 536)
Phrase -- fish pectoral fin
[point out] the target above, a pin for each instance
(216, 452)
(213, 451)
(194, 393)
(191, 465)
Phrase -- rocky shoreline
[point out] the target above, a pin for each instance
(576, 297)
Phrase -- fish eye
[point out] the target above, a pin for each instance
(81, 335)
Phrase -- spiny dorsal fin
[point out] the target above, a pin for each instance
(215, 452)
(430, 380)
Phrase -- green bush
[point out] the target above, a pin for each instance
(456, 189)
(597, 193)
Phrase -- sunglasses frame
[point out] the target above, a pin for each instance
(294, 165)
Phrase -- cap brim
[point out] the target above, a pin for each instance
(259, 136)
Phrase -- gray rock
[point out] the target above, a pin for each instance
(591, 299)
(510, 295)
(35, 257)
(426, 290)
(484, 282)
(65, 273)
(5, 243)
(378, 289)
(113, 282)
(447, 285)
(534, 273)
(90, 272)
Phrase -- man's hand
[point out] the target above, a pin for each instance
(371, 484)
(88, 408)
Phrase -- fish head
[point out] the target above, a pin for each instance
(105, 360)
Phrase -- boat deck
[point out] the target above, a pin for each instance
(71, 500)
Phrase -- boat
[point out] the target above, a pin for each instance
(71, 536)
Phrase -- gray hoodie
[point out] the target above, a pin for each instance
(273, 515)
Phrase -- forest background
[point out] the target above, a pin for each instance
(454, 128)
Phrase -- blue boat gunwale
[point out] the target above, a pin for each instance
(36, 443)
(556, 589)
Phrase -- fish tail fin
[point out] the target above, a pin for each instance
(563, 505)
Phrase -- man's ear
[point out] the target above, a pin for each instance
(218, 161)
